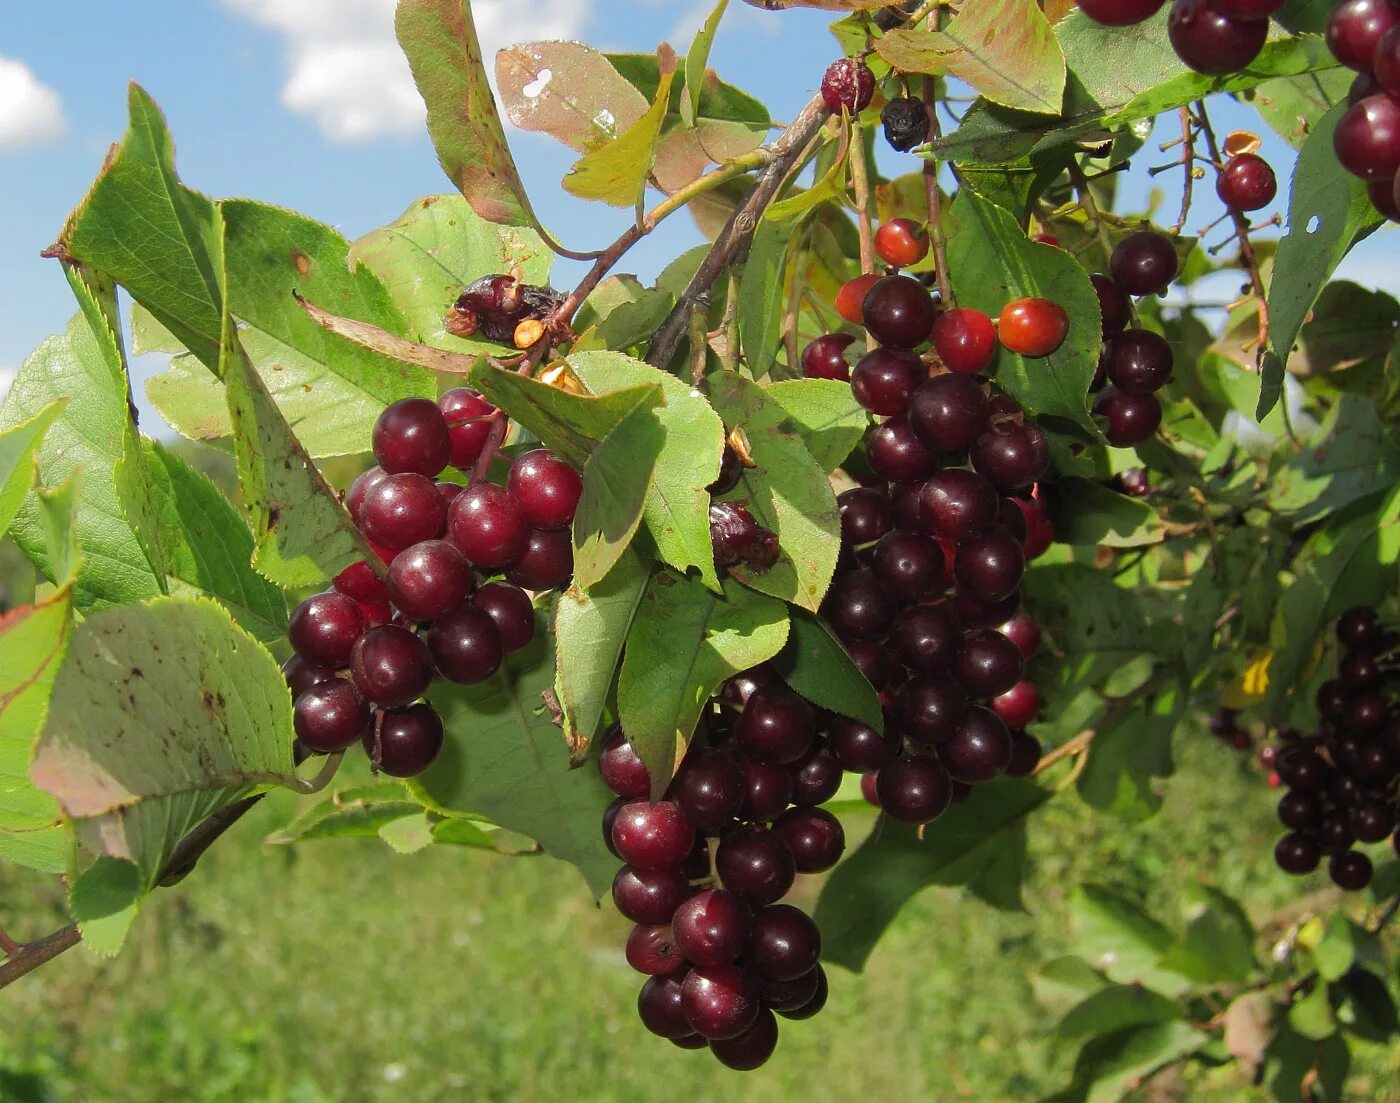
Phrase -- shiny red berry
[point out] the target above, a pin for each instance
(901, 242)
(1246, 183)
(1033, 327)
(965, 340)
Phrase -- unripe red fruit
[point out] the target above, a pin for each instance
(901, 242)
(965, 340)
(852, 295)
(1033, 327)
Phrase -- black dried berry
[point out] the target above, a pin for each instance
(906, 123)
(494, 305)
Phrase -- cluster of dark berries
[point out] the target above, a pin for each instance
(504, 309)
(1225, 726)
(721, 954)
(1365, 35)
(368, 649)
(1135, 363)
(1211, 36)
(1342, 781)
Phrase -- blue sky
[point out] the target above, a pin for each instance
(303, 103)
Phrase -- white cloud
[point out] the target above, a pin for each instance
(30, 111)
(345, 69)
(7, 376)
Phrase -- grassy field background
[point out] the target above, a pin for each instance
(341, 971)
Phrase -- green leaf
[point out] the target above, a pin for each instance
(814, 663)
(1064, 982)
(617, 481)
(148, 335)
(616, 173)
(1328, 213)
(428, 255)
(17, 445)
(1292, 106)
(1218, 946)
(162, 714)
(763, 294)
(590, 627)
(355, 813)
(408, 834)
(1297, 1064)
(1130, 749)
(993, 262)
(1351, 456)
(979, 843)
(787, 492)
(505, 759)
(569, 91)
(1336, 952)
(825, 414)
(1116, 1008)
(677, 504)
(1093, 514)
(1111, 1067)
(696, 59)
(1006, 51)
(439, 38)
(104, 900)
(622, 313)
(1312, 1014)
(830, 186)
(1118, 937)
(208, 546)
(683, 643)
(570, 424)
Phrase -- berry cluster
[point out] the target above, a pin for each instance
(367, 649)
(1342, 781)
(1211, 36)
(721, 954)
(1135, 362)
(1365, 35)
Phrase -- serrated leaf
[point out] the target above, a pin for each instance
(696, 59)
(831, 185)
(148, 335)
(408, 834)
(1336, 952)
(590, 627)
(867, 890)
(1120, 938)
(993, 262)
(617, 481)
(1328, 212)
(1130, 749)
(162, 714)
(683, 643)
(1005, 50)
(104, 900)
(355, 813)
(1351, 456)
(677, 505)
(1116, 1008)
(814, 663)
(787, 493)
(505, 759)
(17, 445)
(1292, 106)
(616, 173)
(825, 414)
(1093, 514)
(440, 41)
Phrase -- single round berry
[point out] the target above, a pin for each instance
(510, 610)
(1024, 632)
(847, 84)
(851, 296)
(898, 311)
(865, 515)
(738, 689)
(905, 120)
(767, 790)
(1019, 705)
(895, 452)
(330, 717)
(929, 708)
(814, 836)
(1387, 61)
(1359, 628)
(948, 412)
(302, 675)
(957, 504)
(1297, 853)
(1246, 183)
(465, 645)
(914, 789)
(901, 242)
(989, 566)
(1012, 455)
(468, 417)
(1032, 327)
(547, 562)
(1334, 832)
(755, 863)
(1355, 29)
(979, 750)
(1303, 769)
(652, 836)
(988, 664)
(324, 628)
(1359, 672)
(816, 777)
(661, 1008)
(909, 565)
(783, 943)
(1113, 303)
(401, 510)
(360, 581)
(1144, 262)
(1350, 870)
(813, 1005)
(1367, 138)
(1120, 13)
(884, 380)
(1209, 41)
(926, 638)
(390, 666)
(710, 927)
(1372, 821)
(1299, 810)
(965, 340)
(776, 725)
(545, 488)
(1129, 419)
(1139, 361)
(651, 949)
(1025, 755)
(487, 526)
(709, 787)
(429, 580)
(752, 1048)
(355, 496)
(904, 505)
(411, 435)
(407, 740)
(859, 747)
(1331, 699)
(858, 607)
(649, 896)
(825, 358)
(870, 659)
(720, 1002)
(621, 769)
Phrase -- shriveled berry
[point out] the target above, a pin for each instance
(847, 83)
(905, 122)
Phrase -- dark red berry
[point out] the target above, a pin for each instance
(330, 717)
(1025, 755)
(989, 566)
(988, 664)
(909, 565)
(1209, 41)
(884, 380)
(710, 927)
(429, 580)
(1350, 870)
(1387, 61)
(895, 452)
(816, 777)
(859, 747)
(661, 1008)
(509, 608)
(406, 742)
(1246, 183)
(930, 707)
(401, 510)
(360, 581)
(958, 504)
(905, 120)
(709, 787)
(1129, 418)
(1139, 361)
(652, 836)
(1359, 628)
(755, 863)
(898, 311)
(487, 526)
(411, 435)
(1367, 138)
(914, 789)
(545, 488)
(1024, 632)
(865, 515)
(858, 607)
(783, 943)
(323, 629)
(649, 896)
(302, 675)
(1113, 303)
(622, 770)
(776, 725)
(469, 418)
(926, 638)
(1144, 262)
(814, 836)
(651, 949)
(355, 496)
(825, 358)
(948, 412)
(979, 750)
(767, 790)
(1356, 28)
(547, 562)
(1019, 705)
(1297, 853)
(390, 666)
(1012, 455)
(1120, 13)
(465, 645)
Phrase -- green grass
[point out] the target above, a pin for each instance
(342, 971)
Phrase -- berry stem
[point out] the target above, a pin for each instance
(1076, 745)
(28, 957)
(731, 321)
(860, 185)
(528, 363)
(1188, 160)
(934, 198)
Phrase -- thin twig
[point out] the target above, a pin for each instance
(699, 345)
(34, 954)
(8, 944)
(497, 435)
(860, 185)
(731, 321)
(1188, 159)
(934, 198)
(1069, 747)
